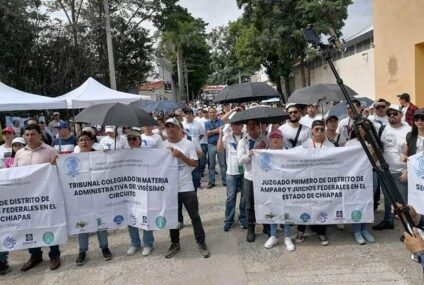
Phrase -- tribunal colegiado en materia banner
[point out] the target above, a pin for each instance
(313, 186)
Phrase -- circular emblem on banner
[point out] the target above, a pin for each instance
(118, 219)
(160, 222)
(265, 161)
(72, 164)
(421, 164)
(305, 217)
(9, 242)
(356, 216)
(48, 238)
(323, 217)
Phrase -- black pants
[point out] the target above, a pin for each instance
(250, 202)
(320, 230)
(189, 200)
(37, 253)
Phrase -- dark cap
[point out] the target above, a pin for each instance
(331, 117)
(419, 112)
(404, 96)
(317, 123)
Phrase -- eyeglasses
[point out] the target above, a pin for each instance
(379, 107)
(319, 129)
(131, 139)
(392, 114)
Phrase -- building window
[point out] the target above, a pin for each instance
(349, 51)
(366, 44)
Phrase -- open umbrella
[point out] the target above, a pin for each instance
(340, 110)
(246, 92)
(115, 114)
(162, 106)
(319, 93)
(269, 115)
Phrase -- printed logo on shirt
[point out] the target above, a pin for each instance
(390, 140)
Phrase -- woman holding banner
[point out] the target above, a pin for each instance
(415, 138)
(360, 231)
(134, 141)
(85, 143)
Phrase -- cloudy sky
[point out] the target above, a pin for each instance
(220, 12)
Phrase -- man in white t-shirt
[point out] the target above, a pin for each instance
(228, 142)
(393, 139)
(345, 127)
(149, 139)
(112, 140)
(294, 133)
(202, 119)
(311, 115)
(185, 151)
(194, 128)
(6, 148)
(379, 118)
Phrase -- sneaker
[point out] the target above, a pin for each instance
(146, 251)
(204, 251)
(227, 227)
(383, 226)
(272, 240)
(359, 238)
(4, 268)
(340, 227)
(289, 244)
(210, 186)
(323, 240)
(133, 249)
(300, 237)
(81, 259)
(107, 254)
(368, 237)
(173, 250)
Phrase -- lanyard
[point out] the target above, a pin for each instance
(235, 144)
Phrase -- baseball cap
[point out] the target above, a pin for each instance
(62, 125)
(394, 107)
(172, 121)
(290, 105)
(8, 130)
(109, 129)
(419, 112)
(56, 113)
(88, 130)
(276, 132)
(133, 133)
(331, 117)
(404, 96)
(18, 140)
(317, 123)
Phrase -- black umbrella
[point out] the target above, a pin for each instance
(141, 104)
(340, 110)
(319, 93)
(115, 114)
(162, 106)
(246, 92)
(269, 115)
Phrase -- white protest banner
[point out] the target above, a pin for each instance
(32, 210)
(109, 190)
(416, 182)
(313, 186)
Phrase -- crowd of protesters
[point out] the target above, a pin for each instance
(200, 137)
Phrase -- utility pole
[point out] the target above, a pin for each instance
(109, 47)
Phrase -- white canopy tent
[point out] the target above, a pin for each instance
(12, 99)
(91, 92)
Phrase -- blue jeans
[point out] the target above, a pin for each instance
(235, 185)
(287, 230)
(148, 238)
(403, 189)
(212, 162)
(202, 160)
(357, 228)
(83, 240)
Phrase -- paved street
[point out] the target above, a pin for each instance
(233, 261)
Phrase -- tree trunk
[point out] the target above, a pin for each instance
(279, 89)
(287, 83)
(302, 72)
(181, 93)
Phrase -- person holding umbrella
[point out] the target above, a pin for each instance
(112, 140)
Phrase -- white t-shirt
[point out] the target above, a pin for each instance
(310, 144)
(420, 144)
(194, 129)
(230, 142)
(108, 143)
(204, 140)
(153, 141)
(96, 146)
(378, 121)
(185, 183)
(307, 121)
(5, 152)
(243, 150)
(345, 127)
(289, 134)
(393, 140)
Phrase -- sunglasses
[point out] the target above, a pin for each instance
(379, 107)
(293, 112)
(319, 129)
(419, 118)
(131, 139)
(392, 114)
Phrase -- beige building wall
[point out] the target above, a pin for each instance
(399, 49)
(357, 72)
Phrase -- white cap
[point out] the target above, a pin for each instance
(18, 140)
(88, 130)
(394, 107)
(110, 129)
(290, 105)
(172, 121)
